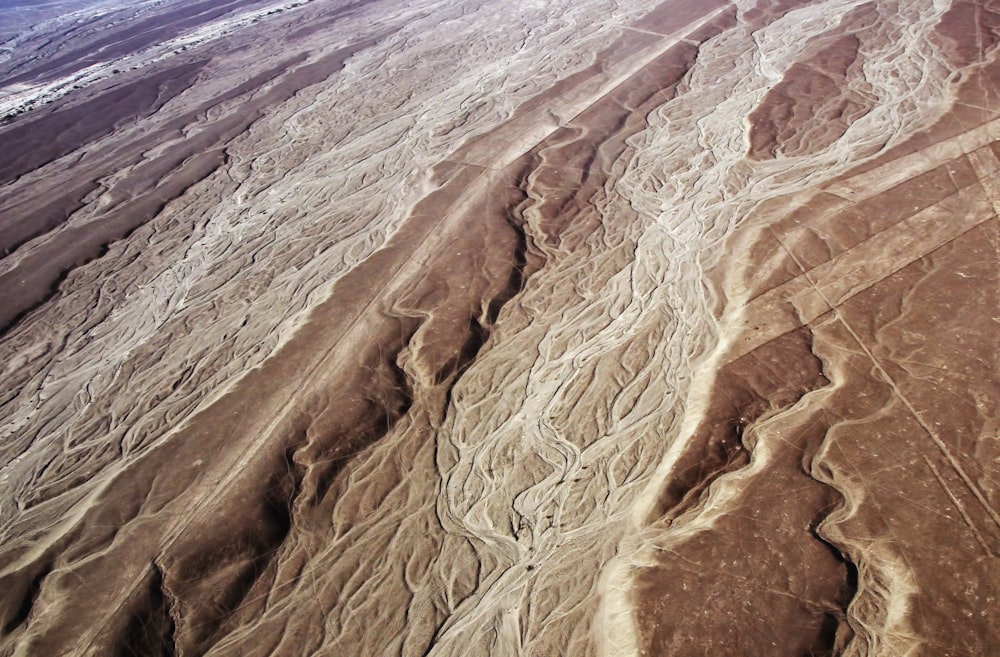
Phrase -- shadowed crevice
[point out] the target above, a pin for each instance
(150, 630)
(330, 436)
(836, 633)
(212, 577)
(28, 596)
(768, 380)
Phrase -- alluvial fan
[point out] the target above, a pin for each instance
(451, 328)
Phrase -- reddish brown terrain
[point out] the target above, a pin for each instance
(439, 328)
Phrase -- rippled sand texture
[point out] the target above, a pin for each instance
(491, 328)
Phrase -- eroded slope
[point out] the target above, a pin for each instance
(463, 328)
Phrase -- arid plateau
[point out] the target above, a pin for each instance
(449, 328)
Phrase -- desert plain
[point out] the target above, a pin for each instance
(464, 327)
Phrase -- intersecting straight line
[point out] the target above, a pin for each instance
(941, 445)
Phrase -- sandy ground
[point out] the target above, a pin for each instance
(481, 328)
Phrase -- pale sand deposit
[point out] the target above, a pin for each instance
(492, 328)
